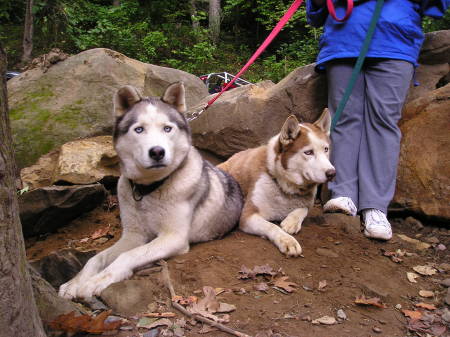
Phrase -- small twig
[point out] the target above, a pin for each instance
(179, 307)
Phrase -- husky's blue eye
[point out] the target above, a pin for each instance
(167, 128)
(139, 129)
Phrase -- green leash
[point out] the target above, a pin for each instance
(358, 65)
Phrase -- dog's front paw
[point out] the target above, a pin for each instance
(69, 290)
(291, 225)
(96, 284)
(288, 245)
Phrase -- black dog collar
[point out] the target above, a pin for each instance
(139, 191)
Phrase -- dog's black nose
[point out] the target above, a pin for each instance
(330, 174)
(157, 153)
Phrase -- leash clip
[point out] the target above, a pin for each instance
(196, 114)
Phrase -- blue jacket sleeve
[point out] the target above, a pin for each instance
(316, 16)
(435, 8)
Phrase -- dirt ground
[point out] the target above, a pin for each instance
(350, 264)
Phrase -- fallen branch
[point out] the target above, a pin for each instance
(179, 307)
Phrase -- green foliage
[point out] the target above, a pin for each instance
(161, 32)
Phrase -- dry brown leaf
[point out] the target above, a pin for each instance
(100, 232)
(375, 301)
(322, 285)
(84, 323)
(159, 314)
(412, 277)
(247, 273)
(425, 306)
(209, 305)
(425, 270)
(262, 286)
(426, 293)
(413, 314)
(185, 300)
(284, 284)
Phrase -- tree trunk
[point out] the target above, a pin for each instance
(18, 313)
(28, 33)
(193, 11)
(214, 20)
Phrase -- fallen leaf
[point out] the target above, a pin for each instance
(84, 323)
(322, 285)
(327, 320)
(100, 232)
(426, 293)
(412, 277)
(375, 301)
(413, 314)
(425, 306)
(225, 307)
(262, 286)
(246, 273)
(159, 314)
(157, 323)
(206, 329)
(185, 300)
(284, 284)
(425, 270)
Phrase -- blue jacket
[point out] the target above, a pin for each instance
(398, 34)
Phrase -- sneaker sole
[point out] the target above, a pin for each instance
(331, 209)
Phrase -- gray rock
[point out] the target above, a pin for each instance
(414, 223)
(436, 47)
(446, 315)
(73, 99)
(447, 297)
(131, 297)
(49, 304)
(248, 116)
(43, 210)
(446, 282)
(157, 79)
(341, 314)
(61, 266)
(428, 76)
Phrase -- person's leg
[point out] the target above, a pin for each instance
(387, 84)
(346, 136)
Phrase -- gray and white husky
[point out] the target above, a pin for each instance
(168, 195)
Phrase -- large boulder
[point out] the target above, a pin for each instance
(46, 209)
(434, 67)
(84, 161)
(157, 79)
(248, 116)
(73, 99)
(424, 170)
(436, 48)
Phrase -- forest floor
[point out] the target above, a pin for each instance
(338, 265)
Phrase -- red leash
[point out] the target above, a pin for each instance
(286, 17)
(332, 10)
(290, 12)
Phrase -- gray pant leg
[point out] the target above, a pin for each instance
(387, 83)
(346, 137)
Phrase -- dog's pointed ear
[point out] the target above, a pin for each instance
(324, 121)
(176, 96)
(124, 99)
(290, 130)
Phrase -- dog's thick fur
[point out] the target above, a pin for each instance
(168, 195)
(279, 180)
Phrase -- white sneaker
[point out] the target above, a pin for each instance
(340, 205)
(376, 224)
